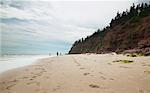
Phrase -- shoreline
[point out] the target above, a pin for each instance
(12, 62)
(81, 73)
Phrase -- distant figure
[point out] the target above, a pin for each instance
(49, 54)
(57, 53)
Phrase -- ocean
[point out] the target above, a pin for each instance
(8, 62)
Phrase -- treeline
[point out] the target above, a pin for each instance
(133, 14)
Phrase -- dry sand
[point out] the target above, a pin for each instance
(80, 74)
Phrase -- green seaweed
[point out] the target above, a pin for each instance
(135, 55)
(126, 61)
(123, 61)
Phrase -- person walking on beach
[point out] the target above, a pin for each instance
(57, 53)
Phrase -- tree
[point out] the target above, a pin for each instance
(82, 40)
(133, 14)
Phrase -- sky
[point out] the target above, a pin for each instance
(46, 26)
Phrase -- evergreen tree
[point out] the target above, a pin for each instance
(135, 12)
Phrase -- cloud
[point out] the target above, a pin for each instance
(25, 10)
(50, 26)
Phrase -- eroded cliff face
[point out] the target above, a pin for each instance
(128, 36)
(117, 38)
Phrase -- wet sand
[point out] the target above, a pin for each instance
(80, 74)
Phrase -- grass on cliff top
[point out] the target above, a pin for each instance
(123, 61)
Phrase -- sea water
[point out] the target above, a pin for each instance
(8, 62)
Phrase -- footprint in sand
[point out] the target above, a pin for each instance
(47, 77)
(78, 65)
(10, 86)
(33, 76)
(109, 63)
(74, 60)
(94, 86)
(111, 79)
(101, 73)
(37, 83)
(2, 82)
(55, 89)
(13, 81)
(103, 77)
(147, 71)
(86, 74)
(141, 91)
(31, 79)
(23, 77)
(82, 68)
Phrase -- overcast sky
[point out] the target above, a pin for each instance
(38, 27)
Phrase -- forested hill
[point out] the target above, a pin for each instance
(129, 30)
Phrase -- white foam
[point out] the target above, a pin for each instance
(15, 61)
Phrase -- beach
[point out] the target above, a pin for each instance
(82, 73)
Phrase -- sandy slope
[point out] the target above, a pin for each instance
(80, 74)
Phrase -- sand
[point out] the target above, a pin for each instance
(80, 74)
